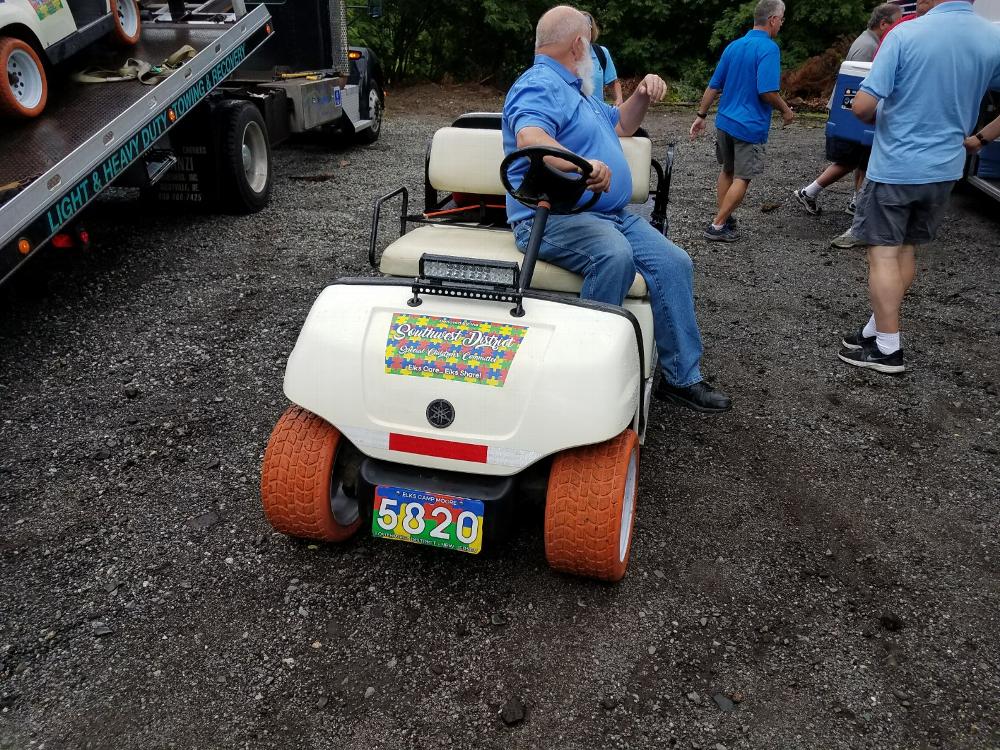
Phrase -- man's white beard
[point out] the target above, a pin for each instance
(585, 72)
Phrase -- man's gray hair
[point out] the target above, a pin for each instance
(765, 9)
(884, 12)
(560, 25)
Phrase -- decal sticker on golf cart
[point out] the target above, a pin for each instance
(428, 518)
(469, 351)
(46, 8)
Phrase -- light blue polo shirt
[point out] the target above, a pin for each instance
(930, 75)
(749, 66)
(602, 76)
(548, 96)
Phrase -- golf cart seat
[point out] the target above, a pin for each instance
(464, 160)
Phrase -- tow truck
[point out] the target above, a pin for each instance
(254, 74)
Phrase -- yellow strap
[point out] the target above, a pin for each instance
(138, 70)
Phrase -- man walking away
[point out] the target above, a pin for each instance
(926, 85)
(749, 76)
(848, 155)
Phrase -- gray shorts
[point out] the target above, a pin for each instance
(893, 215)
(739, 158)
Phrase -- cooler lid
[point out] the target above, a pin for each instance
(854, 68)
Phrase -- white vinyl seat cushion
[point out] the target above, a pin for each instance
(467, 160)
(402, 257)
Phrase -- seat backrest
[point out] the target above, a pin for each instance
(467, 160)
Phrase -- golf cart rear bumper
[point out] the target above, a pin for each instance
(500, 495)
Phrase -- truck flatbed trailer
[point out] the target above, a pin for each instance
(92, 134)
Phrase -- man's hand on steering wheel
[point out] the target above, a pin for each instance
(600, 177)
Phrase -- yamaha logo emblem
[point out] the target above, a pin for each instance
(440, 413)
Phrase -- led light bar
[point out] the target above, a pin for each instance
(444, 269)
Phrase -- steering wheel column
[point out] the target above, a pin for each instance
(548, 191)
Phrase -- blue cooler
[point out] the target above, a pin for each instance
(842, 122)
(989, 162)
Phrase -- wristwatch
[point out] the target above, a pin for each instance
(701, 115)
(981, 139)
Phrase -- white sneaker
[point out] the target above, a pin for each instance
(846, 240)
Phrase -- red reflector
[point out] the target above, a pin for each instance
(63, 241)
(439, 448)
(84, 236)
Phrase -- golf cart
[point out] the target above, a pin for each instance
(430, 404)
(31, 30)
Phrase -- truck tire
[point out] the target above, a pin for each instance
(128, 24)
(376, 108)
(245, 173)
(24, 89)
(298, 487)
(590, 508)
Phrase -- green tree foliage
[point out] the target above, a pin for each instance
(492, 40)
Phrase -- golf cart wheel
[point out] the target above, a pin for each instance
(298, 487)
(376, 107)
(590, 507)
(24, 89)
(128, 25)
(245, 158)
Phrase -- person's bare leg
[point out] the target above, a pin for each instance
(886, 286)
(725, 182)
(907, 266)
(831, 174)
(731, 200)
(859, 178)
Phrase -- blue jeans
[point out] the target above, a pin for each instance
(607, 250)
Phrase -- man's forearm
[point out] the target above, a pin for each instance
(991, 131)
(532, 136)
(707, 99)
(865, 107)
(774, 99)
(631, 113)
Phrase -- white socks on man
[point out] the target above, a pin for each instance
(887, 342)
(813, 189)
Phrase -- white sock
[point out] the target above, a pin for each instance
(813, 190)
(887, 342)
(869, 330)
(717, 227)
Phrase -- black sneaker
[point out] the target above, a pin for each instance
(857, 339)
(809, 204)
(872, 358)
(719, 235)
(700, 396)
(731, 224)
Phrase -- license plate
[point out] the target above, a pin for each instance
(428, 518)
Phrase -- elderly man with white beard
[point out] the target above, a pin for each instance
(552, 104)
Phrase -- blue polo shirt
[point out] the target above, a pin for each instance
(548, 96)
(749, 67)
(602, 76)
(930, 75)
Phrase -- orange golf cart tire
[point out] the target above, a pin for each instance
(296, 477)
(590, 508)
(10, 105)
(126, 14)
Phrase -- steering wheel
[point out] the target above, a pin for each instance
(545, 183)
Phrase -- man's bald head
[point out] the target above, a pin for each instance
(559, 27)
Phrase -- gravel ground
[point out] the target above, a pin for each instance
(816, 569)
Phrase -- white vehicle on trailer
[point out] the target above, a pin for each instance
(431, 404)
(35, 34)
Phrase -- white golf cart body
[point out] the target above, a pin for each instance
(572, 372)
(49, 22)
